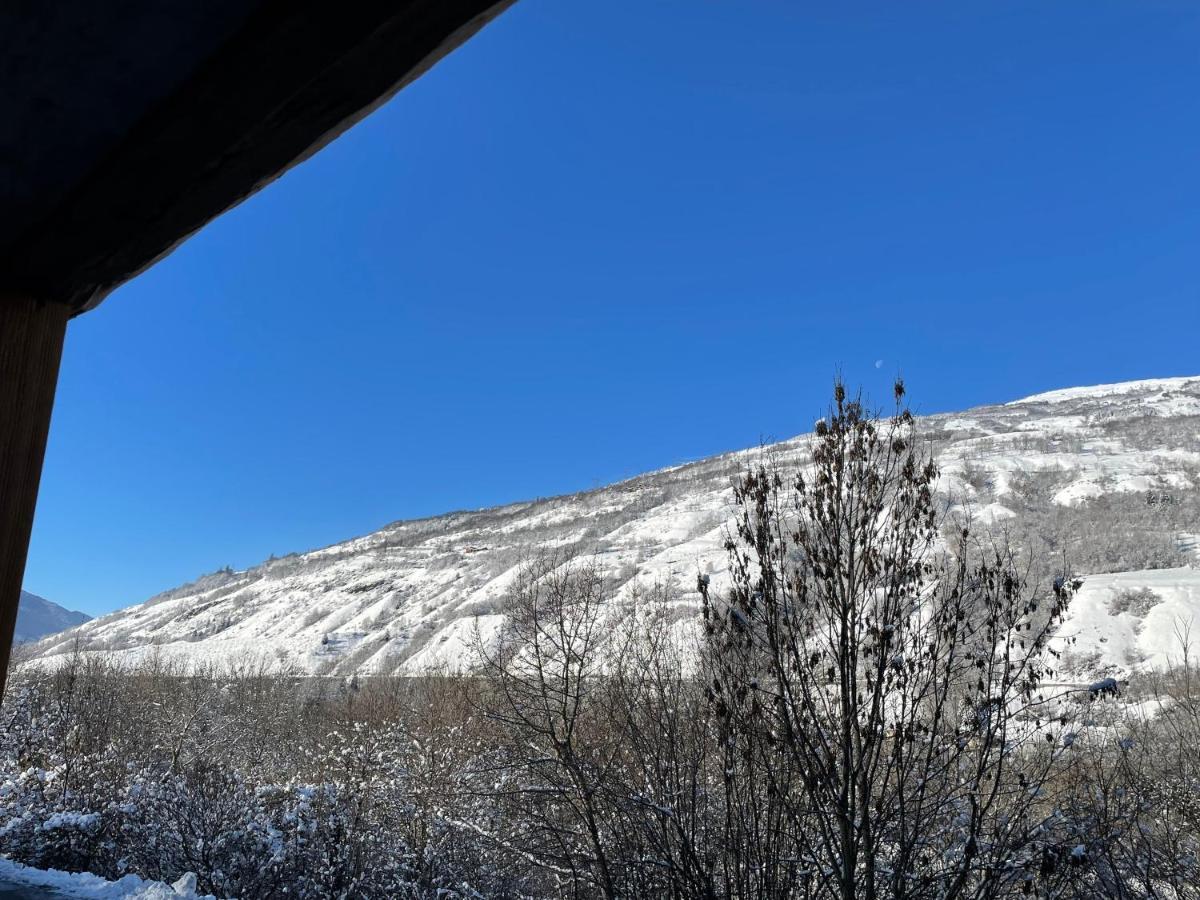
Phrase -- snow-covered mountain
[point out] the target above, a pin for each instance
(38, 617)
(1108, 475)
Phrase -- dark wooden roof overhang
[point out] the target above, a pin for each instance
(125, 125)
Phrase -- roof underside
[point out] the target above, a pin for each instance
(127, 125)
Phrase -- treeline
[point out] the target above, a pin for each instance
(268, 787)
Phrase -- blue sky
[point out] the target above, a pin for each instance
(606, 237)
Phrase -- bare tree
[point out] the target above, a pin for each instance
(667, 799)
(546, 667)
(880, 695)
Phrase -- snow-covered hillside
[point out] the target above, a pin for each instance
(1109, 475)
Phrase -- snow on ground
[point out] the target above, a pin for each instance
(83, 886)
(1132, 621)
(457, 646)
(1103, 390)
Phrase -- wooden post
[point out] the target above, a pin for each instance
(31, 340)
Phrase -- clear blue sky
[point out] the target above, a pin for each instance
(606, 237)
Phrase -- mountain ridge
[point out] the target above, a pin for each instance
(38, 617)
(414, 594)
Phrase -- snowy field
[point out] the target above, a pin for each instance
(18, 882)
(1124, 622)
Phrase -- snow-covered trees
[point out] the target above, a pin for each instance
(264, 786)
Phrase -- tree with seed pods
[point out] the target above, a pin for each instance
(880, 692)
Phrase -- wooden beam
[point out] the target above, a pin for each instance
(31, 340)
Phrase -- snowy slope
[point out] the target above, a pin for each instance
(415, 594)
(37, 617)
(1124, 621)
(23, 881)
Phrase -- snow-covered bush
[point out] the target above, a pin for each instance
(263, 786)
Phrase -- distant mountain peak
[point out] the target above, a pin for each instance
(38, 617)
